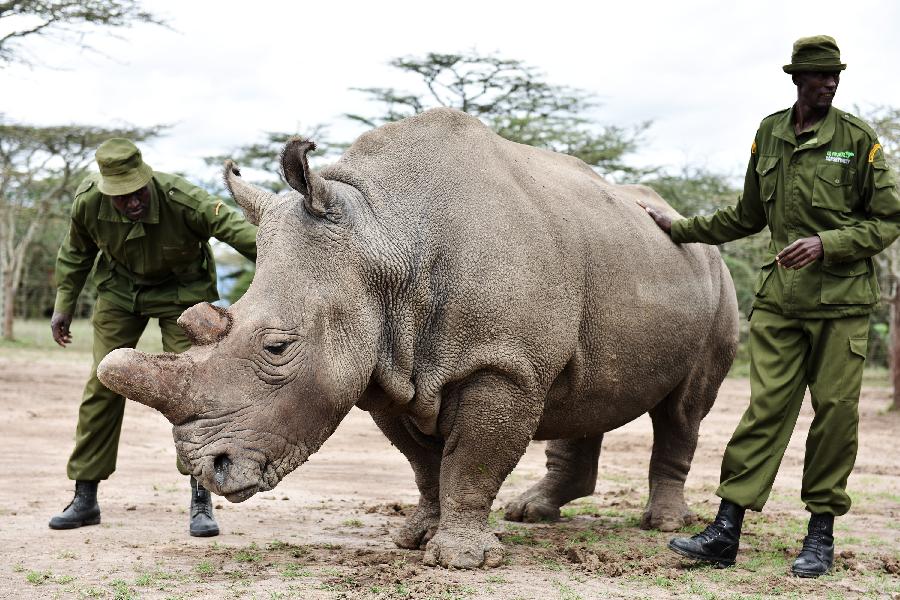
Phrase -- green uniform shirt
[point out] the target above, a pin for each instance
(161, 260)
(832, 182)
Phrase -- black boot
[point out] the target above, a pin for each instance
(202, 522)
(817, 554)
(718, 543)
(82, 510)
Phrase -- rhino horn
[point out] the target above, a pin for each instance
(252, 199)
(205, 324)
(160, 381)
(295, 166)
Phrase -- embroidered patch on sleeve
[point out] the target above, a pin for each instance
(872, 152)
(753, 147)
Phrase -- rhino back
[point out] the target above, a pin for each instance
(533, 265)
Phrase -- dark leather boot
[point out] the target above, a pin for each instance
(817, 554)
(202, 522)
(82, 510)
(718, 543)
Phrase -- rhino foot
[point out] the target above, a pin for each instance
(418, 529)
(666, 510)
(463, 549)
(667, 521)
(532, 507)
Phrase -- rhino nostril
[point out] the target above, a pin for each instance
(221, 464)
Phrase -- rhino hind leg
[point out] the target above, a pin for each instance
(571, 474)
(676, 420)
(676, 424)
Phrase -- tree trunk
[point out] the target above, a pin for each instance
(9, 304)
(895, 350)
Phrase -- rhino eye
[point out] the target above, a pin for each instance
(277, 349)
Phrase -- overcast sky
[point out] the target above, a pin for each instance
(704, 72)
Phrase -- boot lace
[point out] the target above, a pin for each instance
(814, 543)
(202, 504)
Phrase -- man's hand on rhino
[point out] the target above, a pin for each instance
(664, 221)
(801, 253)
(59, 326)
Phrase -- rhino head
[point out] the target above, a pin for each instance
(270, 378)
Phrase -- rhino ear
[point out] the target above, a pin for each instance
(316, 196)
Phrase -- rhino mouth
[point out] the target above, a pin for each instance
(241, 494)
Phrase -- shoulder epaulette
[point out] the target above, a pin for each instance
(771, 117)
(181, 191)
(777, 112)
(86, 184)
(859, 124)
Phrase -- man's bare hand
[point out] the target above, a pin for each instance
(801, 253)
(59, 326)
(664, 222)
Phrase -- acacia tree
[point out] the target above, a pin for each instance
(39, 170)
(512, 98)
(68, 21)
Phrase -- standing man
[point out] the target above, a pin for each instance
(818, 179)
(146, 236)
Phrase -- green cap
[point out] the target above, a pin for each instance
(122, 170)
(819, 53)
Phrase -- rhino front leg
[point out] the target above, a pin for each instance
(424, 456)
(493, 424)
(571, 474)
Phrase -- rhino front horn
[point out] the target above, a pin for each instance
(205, 324)
(160, 381)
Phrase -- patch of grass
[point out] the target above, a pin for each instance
(565, 592)
(249, 554)
(550, 564)
(587, 536)
(494, 518)
(401, 590)
(519, 535)
(66, 555)
(292, 571)
(575, 510)
(63, 579)
(496, 579)
(121, 591)
(205, 568)
(34, 334)
(91, 592)
(352, 523)
(18, 568)
(38, 577)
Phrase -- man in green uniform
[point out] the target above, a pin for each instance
(818, 179)
(146, 236)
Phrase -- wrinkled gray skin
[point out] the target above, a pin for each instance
(472, 294)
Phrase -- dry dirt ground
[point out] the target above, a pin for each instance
(323, 533)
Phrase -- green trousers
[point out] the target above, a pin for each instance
(101, 411)
(787, 356)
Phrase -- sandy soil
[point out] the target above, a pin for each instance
(323, 533)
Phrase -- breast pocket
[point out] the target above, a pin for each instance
(833, 187)
(767, 175)
(179, 256)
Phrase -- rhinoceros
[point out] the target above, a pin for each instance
(472, 294)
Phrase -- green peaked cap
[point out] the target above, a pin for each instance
(122, 170)
(816, 53)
